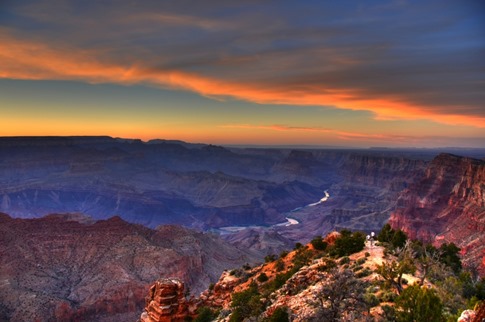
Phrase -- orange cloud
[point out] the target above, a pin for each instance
(20, 59)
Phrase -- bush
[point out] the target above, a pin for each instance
(279, 315)
(389, 313)
(270, 258)
(395, 238)
(328, 265)
(360, 261)
(349, 243)
(449, 257)
(363, 273)
(246, 303)
(283, 254)
(262, 278)
(399, 239)
(205, 314)
(318, 243)
(344, 260)
(388, 297)
(302, 257)
(279, 265)
(371, 299)
(298, 246)
(419, 304)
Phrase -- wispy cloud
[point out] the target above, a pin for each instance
(341, 137)
(382, 59)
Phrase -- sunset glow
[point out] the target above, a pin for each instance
(316, 74)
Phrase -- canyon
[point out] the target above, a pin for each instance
(140, 211)
(71, 267)
(447, 205)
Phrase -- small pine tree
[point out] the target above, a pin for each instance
(419, 304)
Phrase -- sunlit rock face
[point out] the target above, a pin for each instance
(447, 205)
(70, 267)
(166, 302)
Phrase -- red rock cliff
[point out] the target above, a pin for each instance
(166, 302)
(447, 205)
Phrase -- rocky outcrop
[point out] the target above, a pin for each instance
(447, 205)
(69, 267)
(166, 302)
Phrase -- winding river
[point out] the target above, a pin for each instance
(291, 221)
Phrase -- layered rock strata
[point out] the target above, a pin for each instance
(166, 302)
(447, 205)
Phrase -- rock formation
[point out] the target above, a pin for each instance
(70, 267)
(166, 302)
(447, 205)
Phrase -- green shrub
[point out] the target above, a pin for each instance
(394, 238)
(279, 265)
(449, 256)
(262, 278)
(205, 314)
(344, 260)
(270, 258)
(363, 273)
(389, 313)
(360, 261)
(357, 268)
(279, 315)
(246, 303)
(388, 297)
(302, 258)
(328, 264)
(283, 254)
(348, 243)
(279, 280)
(371, 299)
(419, 304)
(318, 243)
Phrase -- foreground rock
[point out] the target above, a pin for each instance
(68, 267)
(166, 302)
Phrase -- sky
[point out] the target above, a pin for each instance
(330, 73)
